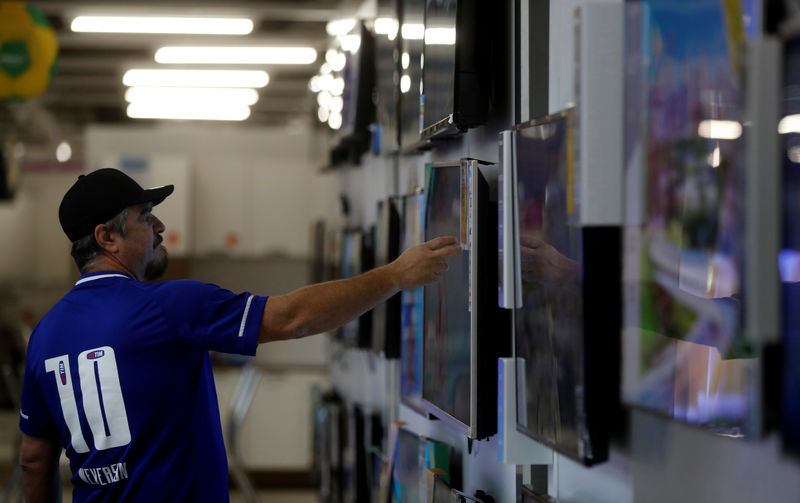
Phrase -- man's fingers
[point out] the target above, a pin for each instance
(447, 251)
(436, 243)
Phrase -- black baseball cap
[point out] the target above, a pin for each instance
(95, 198)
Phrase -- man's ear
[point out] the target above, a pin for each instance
(106, 238)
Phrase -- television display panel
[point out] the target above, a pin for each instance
(386, 315)
(789, 258)
(406, 475)
(685, 354)
(411, 322)
(439, 68)
(387, 78)
(351, 260)
(549, 331)
(412, 34)
(446, 340)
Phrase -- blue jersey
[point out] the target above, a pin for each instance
(119, 371)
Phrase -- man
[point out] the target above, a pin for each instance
(118, 372)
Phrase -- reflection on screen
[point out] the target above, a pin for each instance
(446, 350)
(412, 32)
(438, 71)
(684, 259)
(386, 79)
(406, 476)
(549, 326)
(411, 310)
(789, 259)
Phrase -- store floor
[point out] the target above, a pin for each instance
(9, 437)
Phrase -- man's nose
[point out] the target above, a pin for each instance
(158, 225)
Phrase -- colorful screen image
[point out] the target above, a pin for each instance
(438, 71)
(684, 351)
(411, 323)
(406, 475)
(549, 325)
(446, 343)
(789, 258)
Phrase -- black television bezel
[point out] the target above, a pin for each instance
(490, 326)
(353, 139)
(472, 74)
(365, 334)
(601, 291)
(386, 338)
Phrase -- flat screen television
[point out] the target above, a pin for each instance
(565, 328)
(412, 34)
(411, 322)
(386, 130)
(358, 109)
(789, 257)
(464, 329)
(356, 257)
(456, 69)
(413, 454)
(686, 355)
(386, 315)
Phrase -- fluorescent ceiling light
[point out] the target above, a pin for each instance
(335, 120)
(789, 124)
(194, 25)
(350, 43)
(186, 111)
(440, 36)
(237, 55)
(195, 78)
(405, 84)
(413, 31)
(340, 26)
(387, 26)
(63, 152)
(719, 129)
(201, 95)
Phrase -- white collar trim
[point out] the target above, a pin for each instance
(101, 276)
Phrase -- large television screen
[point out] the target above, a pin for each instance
(412, 34)
(549, 331)
(358, 108)
(386, 134)
(386, 315)
(789, 258)
(356, 257)
(456, 75)
(411, 323)
(685, 353)
(464, 330)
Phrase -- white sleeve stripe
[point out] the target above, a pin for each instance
(244, 317)
(24, 416)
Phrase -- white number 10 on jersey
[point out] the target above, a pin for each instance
(102, 398)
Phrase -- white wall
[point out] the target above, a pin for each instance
(261, 183)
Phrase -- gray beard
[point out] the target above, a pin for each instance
(155, 268)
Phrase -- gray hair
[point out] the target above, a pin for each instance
(86, 249)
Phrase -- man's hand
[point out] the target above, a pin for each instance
(544, 264)
(424, 263)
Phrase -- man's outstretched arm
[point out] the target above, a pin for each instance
(39, 458)
(318, 308)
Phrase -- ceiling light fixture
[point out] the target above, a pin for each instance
(195, 78)
(186, 111)
(237, 55)
(340, 26)
(141, 24)
(789, 124)
(201, 95)
(440, 36)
